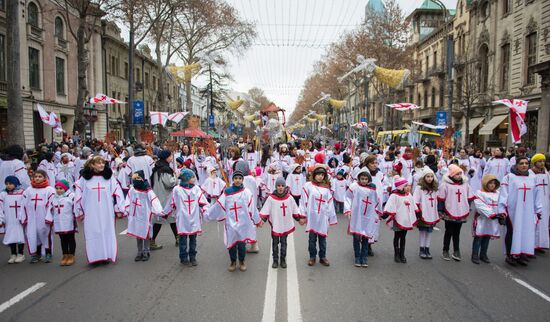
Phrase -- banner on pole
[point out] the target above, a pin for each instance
(139, 112)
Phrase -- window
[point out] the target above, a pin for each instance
(433, 97)
(154, 83)
(126, 70)
(505, 65)
(441, 95)
(32, 15)
(435, 59)
(427, 64)
(34, 68)
(419, 99)
(113, 66)
(3, 58)
(483, 68)
(146, 80)
(425, 97)
(531, 58)
(506, 5)
(484, 10)
(459, 90)
(58, 32)
(3, 5)
(60, 75)
(138, 75)
(114, 105)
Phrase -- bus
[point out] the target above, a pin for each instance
(401, 137)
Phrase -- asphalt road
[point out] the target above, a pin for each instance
(164, 290)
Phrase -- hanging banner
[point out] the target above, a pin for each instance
(139, 112)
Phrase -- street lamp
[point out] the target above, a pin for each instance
(90, 114)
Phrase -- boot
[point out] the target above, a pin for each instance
(475, 259)
(402, 257)
(423, 253)
(427, 252)
(254, 248)
(275, 264)
(311, 262)
(70, 260)
(242, 266)
(283, 262)
(193, 261)
(145, 257)
(232, 266)
(154, 246)
(63, 260)
(324, 262)
(396, 257)
(522, 260)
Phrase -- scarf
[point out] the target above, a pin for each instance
(234, 189)
(282, 195)
(43, 184)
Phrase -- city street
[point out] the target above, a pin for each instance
(164, 290)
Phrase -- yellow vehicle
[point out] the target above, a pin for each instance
(401, 137)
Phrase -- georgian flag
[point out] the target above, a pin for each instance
(104, 99)
(518, 108)
(177, 117)
(403, 106)
(44, 116)
(158, 118)
(50, 119)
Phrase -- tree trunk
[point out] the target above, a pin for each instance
(163, 132)
(15, 102)
(83, 62)
(188, 101)
(467, 132)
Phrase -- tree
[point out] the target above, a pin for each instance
(15, 102)
(258, 95)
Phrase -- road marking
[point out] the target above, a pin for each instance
(123, 232)
(528, 286)
(292, 287)
(270, 299)
(6, 305)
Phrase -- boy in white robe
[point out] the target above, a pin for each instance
(295, 181)
(485, 225)
(140, 205)
(186, 205)
(542, 240)
(339, 186)
(37, 204)
(363, 207)
(235, 208)
(11, 215)
(249, 183)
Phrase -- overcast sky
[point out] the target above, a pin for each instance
(292, 35)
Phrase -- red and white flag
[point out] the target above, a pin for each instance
(158, 118)
(518, 108)
(44, 116)
(403, 106)
(104, 99)
(51, 119)
(177, 117)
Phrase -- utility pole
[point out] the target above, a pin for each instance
(211, 92)
(130, 128)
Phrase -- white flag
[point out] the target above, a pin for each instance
(44, 116)
(158, 118)
(104, 99)
(177, 117)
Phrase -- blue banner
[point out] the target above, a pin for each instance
(211, 120)
(440, 119)
(139, 112)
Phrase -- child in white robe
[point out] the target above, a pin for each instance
(425, 197)
(363, 207)
(140, 205)
(37, 205)
(270, 176)
(542, 238)
(280, 210)
(400, 211)
(339, 186)
(317, 209)
(485, 225)
(63, 220)
(213, 186)
(235, 208)
(186, 205)
(11, 215)
(295, 181)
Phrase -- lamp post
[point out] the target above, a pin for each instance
(90, 114)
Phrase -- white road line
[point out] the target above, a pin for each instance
(6, 305)
(292, 287)
(123, 232)
(270, 293)
(528, 286)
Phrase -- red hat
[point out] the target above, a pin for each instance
(320, 157)
(399, 182)
(398, 167)
(337, 146)
(188, 163)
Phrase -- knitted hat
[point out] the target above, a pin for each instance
(320, 157)
(243, 167)
(64, 184)
(337, 146)
(179, 160)
(237, 173)
(538, 157)
(364, 171)
(13, 180)
(188, 163)
(163, 154)
(280, 181)
(258, 171)
(186, 175)
(454, 170)
(399, 182)
(341, 172)
(398, 166)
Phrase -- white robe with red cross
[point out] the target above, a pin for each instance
(37, 205)
(271, 179)
(401, 210)
(240, 217)
(62, 214)
(280, 213)
(485, 223)
(15, 168)
(542, 239)
(12, 214)
(186, 205)
(316, 205)
(364, 209)
(456, 197)
(520, 200)
(213, 187)
(498, 167)
(295, 182)
(140, 206)
(339, 188)
(426, 201)
(96, 201)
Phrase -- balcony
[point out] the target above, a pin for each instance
(61, 44)
(424, 113)
(437, 71)
(34, 32)
(3, 86)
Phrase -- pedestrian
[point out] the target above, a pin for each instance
(295, 181)
(400, 211)
(186, 204)
(362, 205)
(240, 219)
(140, 206)
(485, 225)
(37, 205)
(453, 198)
(98, 198)
(521, 202)
(11, 216)
(425, 197)
(280, 210)
(542, 240)
(339, 186)
(62, 217)
(317, 208)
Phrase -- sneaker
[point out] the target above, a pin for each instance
(242, 266)
(365, 265)
(283, 263)
(422, 253)
(456, 256)
(138, 258)
(275, 264)
(12, 259)
(48, 258)
(357, 262)
(446, 255)
(193, 262)
(185, 262)
(35, 259)
(324, 262)
(145, 257)
(154, 245)
(20, 258)
(475, 259)
(232, 267)
(311, 262)
(254, 248)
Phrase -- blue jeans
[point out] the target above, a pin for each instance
(360, 248)
(313, 247)
(240, 249)
(185, 253)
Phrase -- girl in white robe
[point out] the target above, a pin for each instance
(497, 165)
(98, 198)
(485, 225)
(65, 170)
(477, 163)
(339, 186)
(37, 204)
(11, 216)
(363, 207)
(425, 197)
(63, 220)
(542, 238)
(295, 181)
(213, 186)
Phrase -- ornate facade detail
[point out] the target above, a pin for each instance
(531, 26)
(506, 39)
(484, 38)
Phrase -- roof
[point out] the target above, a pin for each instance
(376, 6)
(429, 4)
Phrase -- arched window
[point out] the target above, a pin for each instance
(59, 32)
(32, 15)
(483, 68)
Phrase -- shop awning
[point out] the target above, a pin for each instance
(488, 128)
(475, 123)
